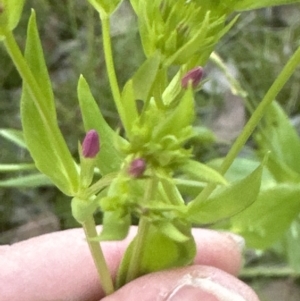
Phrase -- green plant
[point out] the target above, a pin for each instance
(141, 165)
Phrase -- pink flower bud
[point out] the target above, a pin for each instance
(90, 144)
(137, 167)
(193, 76)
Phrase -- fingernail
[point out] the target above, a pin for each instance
(192, 294)
(239, 240)
(195, 289)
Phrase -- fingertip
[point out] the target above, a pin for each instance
(190, 283)
(219, 249)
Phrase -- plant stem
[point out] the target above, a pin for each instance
(255, 118)
(99, 260)
(137, 252)
(143, 228)
(105, 21)
(268, 272)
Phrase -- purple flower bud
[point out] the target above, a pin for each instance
(193, 76)
(90, 144)
(137, 167)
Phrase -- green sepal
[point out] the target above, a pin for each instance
(201, 172)
(160, 252)
(87, 166)
(42, 135)
(10, 15)
(226, 201)
(109, 158)
(266, 220)
(115, 226)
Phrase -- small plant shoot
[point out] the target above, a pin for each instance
(145, 169)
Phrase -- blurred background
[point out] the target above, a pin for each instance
(254, 51)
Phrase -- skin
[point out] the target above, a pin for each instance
(59, 267)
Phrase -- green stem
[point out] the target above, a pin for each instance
(276, 87)
(134, 265)
(143, 228)
(99, 260)
(105, 21)
(268, 272)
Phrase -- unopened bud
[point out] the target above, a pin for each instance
(90, 144)
(192, 77)
(137, 168)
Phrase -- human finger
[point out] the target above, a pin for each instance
(191, 283)
(58, 266)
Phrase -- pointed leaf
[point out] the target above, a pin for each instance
(109, 158)
(144, 77)
(202, 172)
(129, 102)
(226, 201)
(266, 220)
(42, 135)
(279, 136)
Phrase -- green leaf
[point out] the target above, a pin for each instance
(10, 14)
(266, 220)
(281, 172)
(160, 252)
(144, 77)
(226, 201)
(109, 158)
(202, 172)
(33, 180)
(14, 136)
(280, 137)
(254, 4)
(129, 102)
(115, 226)
(42, 135)
(178, 118)
(241, 167)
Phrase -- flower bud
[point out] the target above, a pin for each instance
(90, 144)
(137, 167)
(193, 76)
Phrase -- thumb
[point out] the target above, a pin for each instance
(193, 283)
